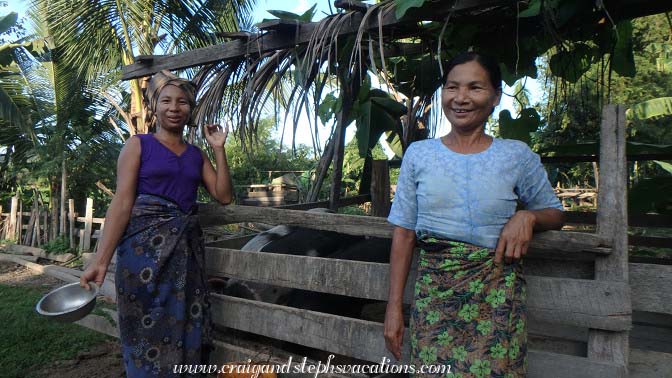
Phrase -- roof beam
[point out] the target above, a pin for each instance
(278, 33)
(275, 40)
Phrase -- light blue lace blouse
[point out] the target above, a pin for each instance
(445, 194)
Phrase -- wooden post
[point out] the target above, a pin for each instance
(30, 231)
(380, 188)
(88, 225)
(100, 236)
(11, 234)
(19, 222)
(45, 234)
(71, 222)
(612, 224)
(38, 231)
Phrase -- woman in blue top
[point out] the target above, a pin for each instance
(456, 200)
(161, 284)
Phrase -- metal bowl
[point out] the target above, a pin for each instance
(68, 303)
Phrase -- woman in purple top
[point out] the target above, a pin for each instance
(161, 284)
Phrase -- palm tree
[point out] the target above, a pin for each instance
(46, 114)
(99, 37)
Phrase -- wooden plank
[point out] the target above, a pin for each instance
(343, 202)
(599, 304)
(649, 364)
(214, 214)
(553, 365)
(88, 225)
(562, 268)
(380, 188)
(41, 253)
(99, 324)
(612, 223)
(337, 334)
(634, 220)
(651, 287)
(232, 243)
(592, 158)
(363, 339)
(264, 201)
(93, 220)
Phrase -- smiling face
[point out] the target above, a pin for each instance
(468, 97)
(172, 108)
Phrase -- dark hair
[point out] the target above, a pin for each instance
(486, 61)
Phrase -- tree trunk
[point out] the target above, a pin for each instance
(137, 108)
(322, 169)
(350, 91)
(339, 149)
(64, 195)
(54, 208)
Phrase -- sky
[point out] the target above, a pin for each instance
(303, 135)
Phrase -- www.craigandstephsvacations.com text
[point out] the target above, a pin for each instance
(307, 367)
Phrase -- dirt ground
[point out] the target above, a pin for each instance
(102, 361)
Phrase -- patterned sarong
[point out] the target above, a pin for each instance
(468, 312)
(164, 316)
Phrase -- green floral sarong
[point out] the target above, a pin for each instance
(468, 312)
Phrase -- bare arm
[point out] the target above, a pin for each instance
(403, 243)
(217, 182)
(118, 213)
(516, 235)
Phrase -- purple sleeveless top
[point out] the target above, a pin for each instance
(164, 174)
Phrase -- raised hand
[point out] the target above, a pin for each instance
(215, 135)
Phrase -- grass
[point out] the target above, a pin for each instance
(29, 341)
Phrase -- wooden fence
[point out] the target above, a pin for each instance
(582, 291)
(36, 227)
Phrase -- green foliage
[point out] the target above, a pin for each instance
(8, 21)
(306, 16)
(352, 210)
(402, 6)
(265, 154)
(666, 166)
(59, 245)
(572, 64)
(651, 194)
(521, 127)
(657, 107)
(376, 113)
(28, 333)
(623, 60)
(353, 165)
